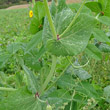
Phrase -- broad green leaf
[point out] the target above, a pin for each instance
(88, 90)
(58, 98)
(37, 19)
(40, 53)
(105, 7)
(105, 20)
(107, 93)
(38, 10)
(35, 25)
(80, 72)
(100, 35)
(21, 100)
(32, 59)
(14, 47)
(37, 38)
(94, 6)
(103, 3)
(93, 52)
(33, 84)
(75, 7)
(75, 40)
(66, 82)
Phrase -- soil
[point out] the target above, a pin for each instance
(27, 5)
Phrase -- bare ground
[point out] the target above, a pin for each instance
(27, 5)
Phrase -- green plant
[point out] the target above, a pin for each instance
(67, 33)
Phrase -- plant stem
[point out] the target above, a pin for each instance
(7, 89)
(49, 77)
(54, 59)
(58, 77)
(50, 19)
(33, 1)
(77, 67)
(74, 19)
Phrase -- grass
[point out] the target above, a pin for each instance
(14, 26)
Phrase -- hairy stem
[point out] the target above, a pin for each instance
(7, 89)
(49, 77)
(54, 59)
(50, 19)
(58, 77)
(77, 67)
(74, 19)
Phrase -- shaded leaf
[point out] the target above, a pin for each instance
(37, 19)
(58, 98)
(66, 82)
(39, 10)
(35, 25)
(100, 35)
(33, 84)
(105, 7)
(37, 38)
(105, 20)
(103, 47)
(87, 89)
(82, 74)
(75, 7)
(94, 6)
(93, 52)
(32, 59)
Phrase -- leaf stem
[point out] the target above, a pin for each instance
(77, 67)
(7, 89)
(49, 77)
(74, 19)
(50, 19)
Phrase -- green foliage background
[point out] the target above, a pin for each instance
(89, 81)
